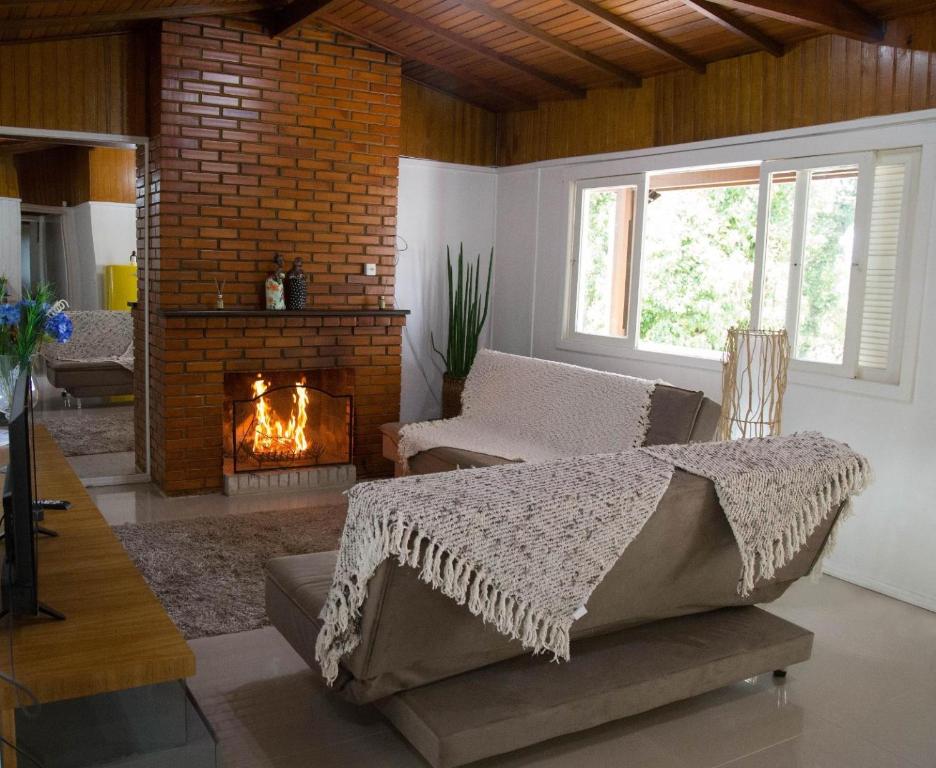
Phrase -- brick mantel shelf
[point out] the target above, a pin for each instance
(284, 312)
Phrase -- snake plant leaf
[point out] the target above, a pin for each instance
(467, 313)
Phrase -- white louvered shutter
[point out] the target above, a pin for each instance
(875, 352)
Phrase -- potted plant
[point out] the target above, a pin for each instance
(24, 326)
(466, 318)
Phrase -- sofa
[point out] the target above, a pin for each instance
(98, 360)
(676, 416)
(666, 622)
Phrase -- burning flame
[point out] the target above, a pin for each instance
(271, 434)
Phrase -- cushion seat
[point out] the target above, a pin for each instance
(82, 366)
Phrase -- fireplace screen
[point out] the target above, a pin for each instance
(291, 426)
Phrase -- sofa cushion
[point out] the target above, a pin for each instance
(706, 423)
(673, 413)
(444, 459)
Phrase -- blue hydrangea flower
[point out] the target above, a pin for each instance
(59, 327)
(9, 314)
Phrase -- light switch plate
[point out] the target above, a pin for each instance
(370, 270)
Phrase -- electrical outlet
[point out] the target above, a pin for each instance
(370, 270)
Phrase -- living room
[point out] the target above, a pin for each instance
(352, 219)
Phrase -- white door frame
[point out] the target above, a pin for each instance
(129, 142)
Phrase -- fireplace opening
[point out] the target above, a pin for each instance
(288, 420)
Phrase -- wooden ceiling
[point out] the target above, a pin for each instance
(506, 54)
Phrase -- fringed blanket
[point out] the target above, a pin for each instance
(534, 410)
(100, 336)
(523, 546)
(774, 491)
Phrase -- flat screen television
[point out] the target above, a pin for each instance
(20, 576)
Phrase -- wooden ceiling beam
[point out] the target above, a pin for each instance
(138, 14)
(840, 17)
(633, 32)
(620, 73)
(282, 21)
(557, 83)
(736, 24)
(500, 92)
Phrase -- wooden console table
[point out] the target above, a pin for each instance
(116, 634)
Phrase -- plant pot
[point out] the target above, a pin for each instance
(452, 387)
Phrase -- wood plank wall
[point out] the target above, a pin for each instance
(75, 175)
(95, 84)
(821, 80)
(57, 176)
(9, 186)
(113, 175)
(441, 127)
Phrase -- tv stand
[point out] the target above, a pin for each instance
(41, 610)
(39, 508)
(118, 650)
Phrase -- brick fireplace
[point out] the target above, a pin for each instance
(262, 146)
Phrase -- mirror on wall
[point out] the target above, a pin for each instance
(68, 220)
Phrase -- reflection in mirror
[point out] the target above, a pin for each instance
(68, 219)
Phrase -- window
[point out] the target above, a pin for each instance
(813, 245)
(697, 265)
(605, 241)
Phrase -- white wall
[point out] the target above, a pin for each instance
(10, 237)
(439, 204)
(888, 544)
(106, 235)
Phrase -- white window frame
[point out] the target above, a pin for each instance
(639, 182)
(810, 372)
(656, 349)
(802, 166)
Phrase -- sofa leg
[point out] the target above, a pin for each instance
(779, 674)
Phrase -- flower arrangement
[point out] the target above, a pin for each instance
(24, 327)
(27, 324)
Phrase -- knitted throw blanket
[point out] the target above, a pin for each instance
(524, 545)
(528, 409)
(774, 491)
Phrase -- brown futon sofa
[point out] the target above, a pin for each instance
(460, 691)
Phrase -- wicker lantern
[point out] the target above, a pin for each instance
(754, 378)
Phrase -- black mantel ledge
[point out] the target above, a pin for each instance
(208, 312)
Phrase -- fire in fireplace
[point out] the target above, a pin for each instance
(288, 421)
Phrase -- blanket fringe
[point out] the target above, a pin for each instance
(768, 557)
(445, 571)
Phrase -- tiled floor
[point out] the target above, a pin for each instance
(143, 503)
(866, 699)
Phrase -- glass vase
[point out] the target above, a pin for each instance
(9, 373)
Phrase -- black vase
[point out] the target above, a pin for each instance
(294, 289)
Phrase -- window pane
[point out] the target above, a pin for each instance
(603, 261)
(697, 266)
(826, 269)
(782, 190)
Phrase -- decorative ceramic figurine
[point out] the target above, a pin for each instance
(295, 286)
(274, 285)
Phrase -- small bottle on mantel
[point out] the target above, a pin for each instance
(381, 302)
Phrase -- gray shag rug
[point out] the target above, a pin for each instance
(86, 431)
(208, 571)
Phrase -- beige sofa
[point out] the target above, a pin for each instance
(676, 416)
(460, 691)
(98, 360)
